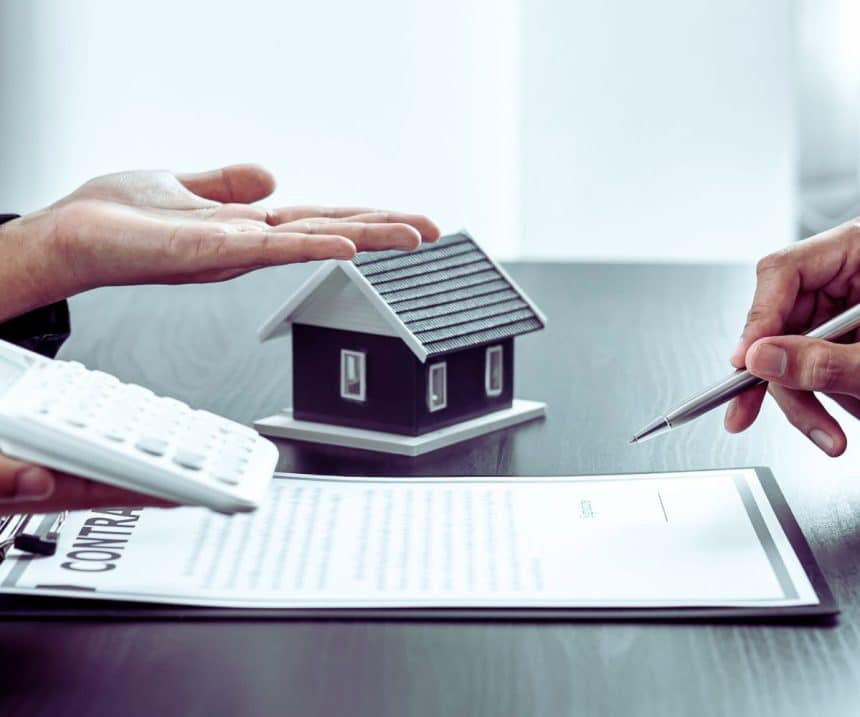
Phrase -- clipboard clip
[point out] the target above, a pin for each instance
(40, 541)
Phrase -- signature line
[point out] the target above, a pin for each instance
(663, 507)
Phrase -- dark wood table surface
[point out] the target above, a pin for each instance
(624, 341)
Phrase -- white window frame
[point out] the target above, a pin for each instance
(361, 357)
(488, 373)
(441, 367)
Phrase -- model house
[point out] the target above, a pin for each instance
(400, 345)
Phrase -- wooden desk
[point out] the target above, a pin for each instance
(623, 343)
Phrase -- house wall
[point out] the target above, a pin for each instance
(467, 395)
(391, 376)
(396, 398)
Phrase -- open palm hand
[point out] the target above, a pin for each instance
(160, 227)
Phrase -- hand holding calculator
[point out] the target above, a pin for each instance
(88, 423)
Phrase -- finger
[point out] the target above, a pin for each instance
(366, 237)
(777, 286)
(26, 488)
(173, 250)
(258, 249)
(807, 364)
(425, 226)
(802, 313)
(805, 412)
(744, 409)
(284, 215)
(849, 403)
(828, 259)
(234, 211)
(242, 183)
(74, 493)
(825, 307)
(23, 482)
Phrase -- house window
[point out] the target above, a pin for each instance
(437, 387)
(353, 382)
(493, 376)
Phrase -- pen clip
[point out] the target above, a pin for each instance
(44, 540)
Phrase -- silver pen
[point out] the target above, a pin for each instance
(738, 382)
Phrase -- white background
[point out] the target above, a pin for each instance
(584, 128)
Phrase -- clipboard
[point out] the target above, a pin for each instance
(14, 607)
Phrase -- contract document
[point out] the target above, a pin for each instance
(707, 538)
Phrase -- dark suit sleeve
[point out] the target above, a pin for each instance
(43, 330)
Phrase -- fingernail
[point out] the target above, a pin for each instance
(730, 412)
(738, 354)
(770, 360)
(823, 440)
(34, 484)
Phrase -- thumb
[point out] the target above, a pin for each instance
(807, 364)
(23, 482)
(238, 183)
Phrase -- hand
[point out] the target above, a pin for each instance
(30, 489)
(798, 289)
(157, 227)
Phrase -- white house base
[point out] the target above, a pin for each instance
(283, 425)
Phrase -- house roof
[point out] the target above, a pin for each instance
(443, 296)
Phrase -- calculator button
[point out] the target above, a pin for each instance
(116, 434)
(151, 444)
(233, 457)
(195, 447)
(239, 452)
(239, 448)
(112, 426)
(193, 439)
(228, 470)
(157, 426)
(228, 474)
(244, 432)
(195, 432)
(223, 425)
(121, 412)
(75, 415)
(189, 459)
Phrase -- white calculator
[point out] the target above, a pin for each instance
(60, 415)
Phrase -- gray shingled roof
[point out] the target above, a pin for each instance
(449, 294)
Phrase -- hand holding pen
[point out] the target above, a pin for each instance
(797, 289)
(814, 287)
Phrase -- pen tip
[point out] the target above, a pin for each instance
(632, 441)
(654, 428)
